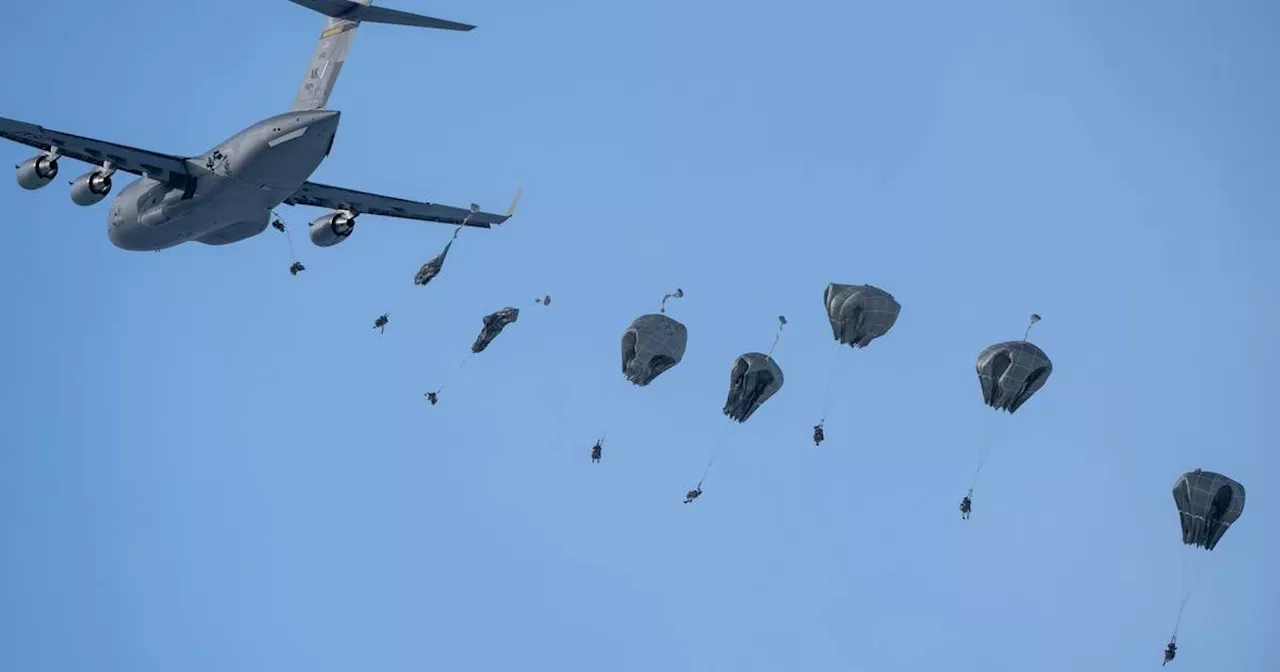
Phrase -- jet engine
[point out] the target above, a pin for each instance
(37, 171)
(91, 187)
(332, 229)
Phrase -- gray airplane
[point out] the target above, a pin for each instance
(227, 194)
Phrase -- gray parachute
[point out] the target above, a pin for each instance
(1011, 372)
(754, 378)
(860, 314)
(432, 268)
(1208, 503)
(494, 323)
(652, 344)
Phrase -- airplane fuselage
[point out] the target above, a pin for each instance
(228, 193)
(233, 187)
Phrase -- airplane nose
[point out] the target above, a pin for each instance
(117, 234)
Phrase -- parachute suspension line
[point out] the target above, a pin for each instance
(279, 224)
(715, 451)
(610, 409)
(831, 370)
(474, 209)
(455, 372)
(1178, 623)
(679, 293)
(782, 322)
(1193, 566)
(986, 446)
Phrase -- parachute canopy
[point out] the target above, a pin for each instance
(652, 344)
(494, 323)
(860, 314)
(432, 268)
(754, 378)
(1208, 504)
(1011, 372)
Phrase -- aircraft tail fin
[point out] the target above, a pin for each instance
(345, 16)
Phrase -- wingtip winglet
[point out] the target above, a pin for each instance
(511, 211)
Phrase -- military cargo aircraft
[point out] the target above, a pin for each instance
(228, 193)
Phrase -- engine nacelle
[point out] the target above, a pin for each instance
(332, 229)
(91, 187)
(37, 171)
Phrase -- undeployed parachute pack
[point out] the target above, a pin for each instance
(432, 268)
(494, 323)
(858, 314)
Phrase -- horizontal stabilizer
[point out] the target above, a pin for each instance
(354, 11)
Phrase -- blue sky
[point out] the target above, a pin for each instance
(210, 465)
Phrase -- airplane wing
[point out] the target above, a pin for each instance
(166, 168)
(337, 198)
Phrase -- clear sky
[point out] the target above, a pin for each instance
(210, 465)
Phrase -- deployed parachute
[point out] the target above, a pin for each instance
(754, 378)
(432, 268)
(1011, 372)
(1008, 373)
(859, 314)
(494, 323)
(652, 344)
(1208, 503)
